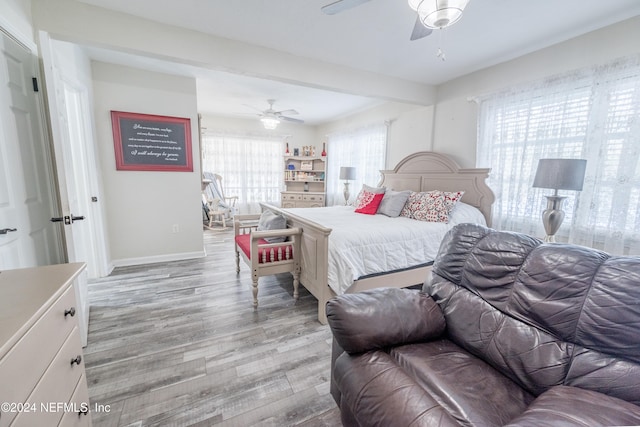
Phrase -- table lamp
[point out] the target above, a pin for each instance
(558, 174)
(348, 173)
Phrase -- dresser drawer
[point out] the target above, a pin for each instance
(55, 387)
(79, 402)
(291, 197)
(29, 358)
(317, 198)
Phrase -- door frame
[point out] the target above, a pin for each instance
(97, 258)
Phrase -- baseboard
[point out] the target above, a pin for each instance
(126, 262)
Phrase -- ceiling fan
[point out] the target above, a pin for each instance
(270, 118)
(433, 16)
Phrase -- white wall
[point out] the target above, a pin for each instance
(410, 128)
(143, 207)
(298, 135)
(455, 130)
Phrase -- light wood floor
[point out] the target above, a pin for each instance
(179, 344)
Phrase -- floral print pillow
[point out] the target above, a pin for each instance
(431, 206)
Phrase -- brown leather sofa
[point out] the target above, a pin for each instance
(509, 331)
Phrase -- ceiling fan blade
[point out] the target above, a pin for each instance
(289, 112)
(341, 5)
(419, 30)
(290, 119)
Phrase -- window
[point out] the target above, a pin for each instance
(592, 114)
(365, 149)
(251, 167)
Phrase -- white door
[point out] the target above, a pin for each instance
(69, 110)
(27, 193)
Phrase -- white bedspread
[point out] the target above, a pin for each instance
(361, 245)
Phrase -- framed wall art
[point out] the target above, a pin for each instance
(147, 142)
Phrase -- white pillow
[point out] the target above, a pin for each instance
(463, 213)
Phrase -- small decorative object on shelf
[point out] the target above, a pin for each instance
(306, 165)
(286, 151)
(324, 149)
(296, 151)
(313, 151)
(306, 186)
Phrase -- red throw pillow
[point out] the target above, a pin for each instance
(368, 202)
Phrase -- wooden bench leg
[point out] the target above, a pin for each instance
(237, 260)
(255, 288)
(296, 282)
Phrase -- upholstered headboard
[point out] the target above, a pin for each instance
(426, 170)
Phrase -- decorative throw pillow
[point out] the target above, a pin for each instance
(451, 198)
(272, 221)
(424, 206)
(393, 202)
(369, 199)
(432, 206)
(407, 209)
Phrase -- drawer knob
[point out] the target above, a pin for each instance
(77, 360)
(71, 312)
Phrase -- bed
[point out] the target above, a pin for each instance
(400, 251)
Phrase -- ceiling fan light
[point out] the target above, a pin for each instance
(441, 13)
(270, 122)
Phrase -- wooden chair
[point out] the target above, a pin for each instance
(266, 258)
(216, 213)
(218, 206)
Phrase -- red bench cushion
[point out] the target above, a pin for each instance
(281, 252)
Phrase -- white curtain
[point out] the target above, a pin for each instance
(251, 166)
(363, 148)
(592, 114)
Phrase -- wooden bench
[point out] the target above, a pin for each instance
(266, 258)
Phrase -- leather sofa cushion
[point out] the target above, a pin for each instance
(425, 381)
(469, 389)
(572, 406)
(378, 392)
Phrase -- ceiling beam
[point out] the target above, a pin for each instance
(85, 24)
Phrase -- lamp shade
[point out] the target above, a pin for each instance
(348, 173)
(560, 174)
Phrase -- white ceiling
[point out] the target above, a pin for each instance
(372, 37)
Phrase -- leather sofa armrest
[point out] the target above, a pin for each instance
(336, 351)
(383, 317)
(562, 405)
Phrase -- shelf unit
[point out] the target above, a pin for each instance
(304, 182)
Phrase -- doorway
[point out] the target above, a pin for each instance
(27, 192)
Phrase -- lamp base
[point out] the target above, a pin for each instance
(552, 217)
(346, 193)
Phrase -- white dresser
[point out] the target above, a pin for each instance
(42, 376)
